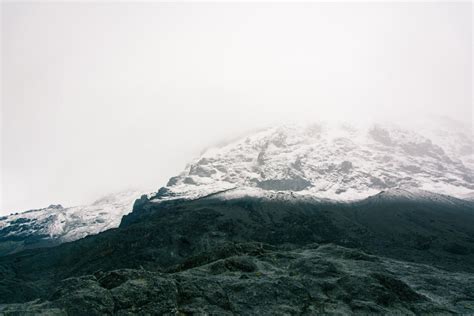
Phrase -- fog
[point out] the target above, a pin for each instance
(102, 97)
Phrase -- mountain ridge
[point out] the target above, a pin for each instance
(324, 162)
(56, 224)
(337, 161)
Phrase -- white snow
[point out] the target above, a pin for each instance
(321, 161)
(68, 224)
(341, 161)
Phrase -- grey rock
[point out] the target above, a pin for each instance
(290, 184)
(326, 279)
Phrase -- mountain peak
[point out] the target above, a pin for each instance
(331, 160)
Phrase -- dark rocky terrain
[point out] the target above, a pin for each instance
(256, 278)
(390, 253)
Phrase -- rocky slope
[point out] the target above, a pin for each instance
(334, 160)
(327, 218)
(395, 252)
(55, 224)
(256, 278)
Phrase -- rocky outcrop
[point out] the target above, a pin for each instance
(289, 184)
(262, 279)
(209, 238)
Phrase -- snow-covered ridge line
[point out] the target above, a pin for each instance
(336, 161)
(391, 194)
(68, 224)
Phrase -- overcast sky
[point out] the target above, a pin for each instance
(99, 98)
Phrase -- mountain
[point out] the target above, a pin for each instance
(315, 219)
(337, 161)
(333, 160)
(55, 224)
(394, 252)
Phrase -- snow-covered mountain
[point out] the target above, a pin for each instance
(334, 160)
(56, 224)
(322, 161)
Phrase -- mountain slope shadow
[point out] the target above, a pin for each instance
(158, 236)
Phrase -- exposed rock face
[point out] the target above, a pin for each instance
(258, 278)
(396, 252)
(290, 184)
(381, 135)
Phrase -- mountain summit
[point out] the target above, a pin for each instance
(329, 160)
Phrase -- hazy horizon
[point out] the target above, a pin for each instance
(102, 97)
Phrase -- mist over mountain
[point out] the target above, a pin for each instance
(341, 161)
(332, 160)
(117, 95)
(312, 158)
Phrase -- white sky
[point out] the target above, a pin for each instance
(101, 97)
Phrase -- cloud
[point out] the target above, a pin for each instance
(99, 97)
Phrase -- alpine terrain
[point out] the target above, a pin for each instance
(56, 224)
(336, 161)
(327, 218)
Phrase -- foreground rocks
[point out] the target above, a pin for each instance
(256, 278)
(257, 256)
